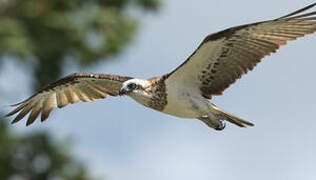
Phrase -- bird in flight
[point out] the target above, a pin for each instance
(220, 60)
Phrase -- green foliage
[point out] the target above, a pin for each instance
(36, 156)
(45, 33)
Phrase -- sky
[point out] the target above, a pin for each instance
(119, 139)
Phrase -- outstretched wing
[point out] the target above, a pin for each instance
(76, 87)
(224, 57)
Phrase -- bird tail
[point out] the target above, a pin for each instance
(231, 118)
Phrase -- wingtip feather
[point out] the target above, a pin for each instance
(298, 11)
(15, 120)
(16, 110)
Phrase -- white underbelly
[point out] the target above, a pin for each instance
(185, 105)
(181, 111)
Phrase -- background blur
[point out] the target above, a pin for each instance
(118, 139)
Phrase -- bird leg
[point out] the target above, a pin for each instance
(213, 122)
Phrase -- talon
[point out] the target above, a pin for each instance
(221, 127)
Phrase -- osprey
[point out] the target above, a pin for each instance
(220, 60)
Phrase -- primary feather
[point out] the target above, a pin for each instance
(76, 87)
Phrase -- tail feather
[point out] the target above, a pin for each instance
(231, 118)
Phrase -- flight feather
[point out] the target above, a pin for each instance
(76, 87)
(223, 57)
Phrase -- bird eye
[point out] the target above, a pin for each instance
(132, 86)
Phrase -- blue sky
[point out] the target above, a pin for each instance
(120, 139)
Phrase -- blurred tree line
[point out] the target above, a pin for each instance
(36, 157)
(44, 35)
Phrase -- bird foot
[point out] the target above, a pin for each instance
(221, 126)
(216, 124)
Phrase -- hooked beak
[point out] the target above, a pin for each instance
(123, 91)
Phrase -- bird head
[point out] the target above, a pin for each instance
(134, 87)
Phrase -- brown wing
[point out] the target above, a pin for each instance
(224, 57)
(76, 87)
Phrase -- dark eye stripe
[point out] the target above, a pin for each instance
(132, 86)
